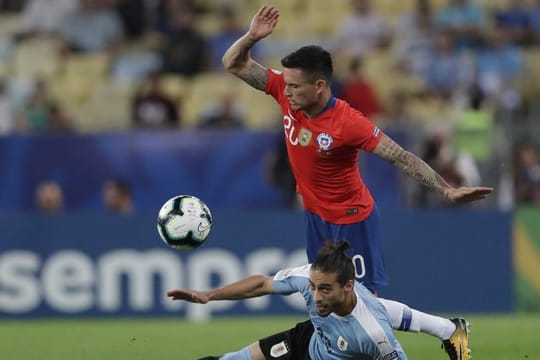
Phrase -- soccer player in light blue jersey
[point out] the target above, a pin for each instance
(346, 320)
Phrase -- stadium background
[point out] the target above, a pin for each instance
(75, 258)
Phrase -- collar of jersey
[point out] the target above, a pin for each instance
(329, 105)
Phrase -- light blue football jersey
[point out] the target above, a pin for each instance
(366, 333)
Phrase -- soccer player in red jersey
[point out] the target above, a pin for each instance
(324, 136)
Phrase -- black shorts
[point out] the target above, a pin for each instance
(290, 344)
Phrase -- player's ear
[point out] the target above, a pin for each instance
(320, 85)
(349, 285)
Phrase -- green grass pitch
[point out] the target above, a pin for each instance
(493, 337)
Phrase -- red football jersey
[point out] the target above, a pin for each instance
(323, 153)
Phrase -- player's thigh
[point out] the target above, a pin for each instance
(290, 344)
(366, 249)
(317, 232)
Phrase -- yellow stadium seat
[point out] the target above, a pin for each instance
(391, 8)
(37, 58)
(206, 89)
(96, 116)
(83, 117)
(431, 110)
(10, 24)
(492, 5)
(113, 104)
(175, 86)
(530, 77)
(95, 65)
(79, 75)
(379, 68)
(208, 24)
(72, 89)
(262, 111)
(108, 90)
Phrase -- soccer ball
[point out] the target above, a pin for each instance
(184, 222)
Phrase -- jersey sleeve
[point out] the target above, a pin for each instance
(290, 281)
(361, 133)
(275, 85)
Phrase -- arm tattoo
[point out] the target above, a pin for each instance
(410, 164)
(238, 62)
(254, 75)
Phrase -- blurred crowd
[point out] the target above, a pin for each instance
(116, 197)
(460, 77)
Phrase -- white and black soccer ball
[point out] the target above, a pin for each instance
(184, 222)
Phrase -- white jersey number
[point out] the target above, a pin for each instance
(289, 129)
(359, 266)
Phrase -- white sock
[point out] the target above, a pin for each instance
(406, 319)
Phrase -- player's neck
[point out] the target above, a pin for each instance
(348, 305)
(319, 107)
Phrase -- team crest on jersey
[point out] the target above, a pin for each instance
(304, 137)
(342, 344)
(325, 141)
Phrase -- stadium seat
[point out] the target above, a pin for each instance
(10, 24)
(107, 108)
(71, 89)
(287, 6)
(391, 9)
(37, 58)
(262, 111)
(434, 111)
(379, 67)
(78, 77)
(492, 5)
(208, 24)
(205, 90)
(175, 86)
(530, 77)
(86, 64)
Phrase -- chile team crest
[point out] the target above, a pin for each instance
(325, 141)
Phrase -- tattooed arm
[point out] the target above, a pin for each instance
(237, 60)
(417, 169)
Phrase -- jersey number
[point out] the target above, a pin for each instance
(289, 130)
(359, 266)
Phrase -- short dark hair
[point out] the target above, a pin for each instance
(333, 259)
(313, 60)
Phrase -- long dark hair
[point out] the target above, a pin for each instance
(333, 259)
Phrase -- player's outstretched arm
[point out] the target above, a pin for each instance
(252, 286)
(237, 59)
(417, 169)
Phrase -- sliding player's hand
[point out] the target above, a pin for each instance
(467, 194)
(263, 22)
(188, 295)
